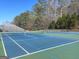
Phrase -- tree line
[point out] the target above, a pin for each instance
(66, 22)
(43, 17)
(0, 30)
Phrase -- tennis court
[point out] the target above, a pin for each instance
(19, 45)
(1, 47)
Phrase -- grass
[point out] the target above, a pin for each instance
(1, 48)
(66, 52)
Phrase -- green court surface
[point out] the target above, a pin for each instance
(70, 51)
(74, 36)
(1, 48)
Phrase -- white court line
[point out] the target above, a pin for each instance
(3, 46)
(18, 45)
(46, 49)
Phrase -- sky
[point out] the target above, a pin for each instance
(11, 8)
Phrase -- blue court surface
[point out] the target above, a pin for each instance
(18, 44)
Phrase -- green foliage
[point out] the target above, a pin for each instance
(42, 17)
(40, 7)
(58, 23)
(40, 11)
(67, 22)
(52, 25)
(78, 19)
(33, 20)
(0, 30)
(23, 20)
(73, 20)
(37, 24)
